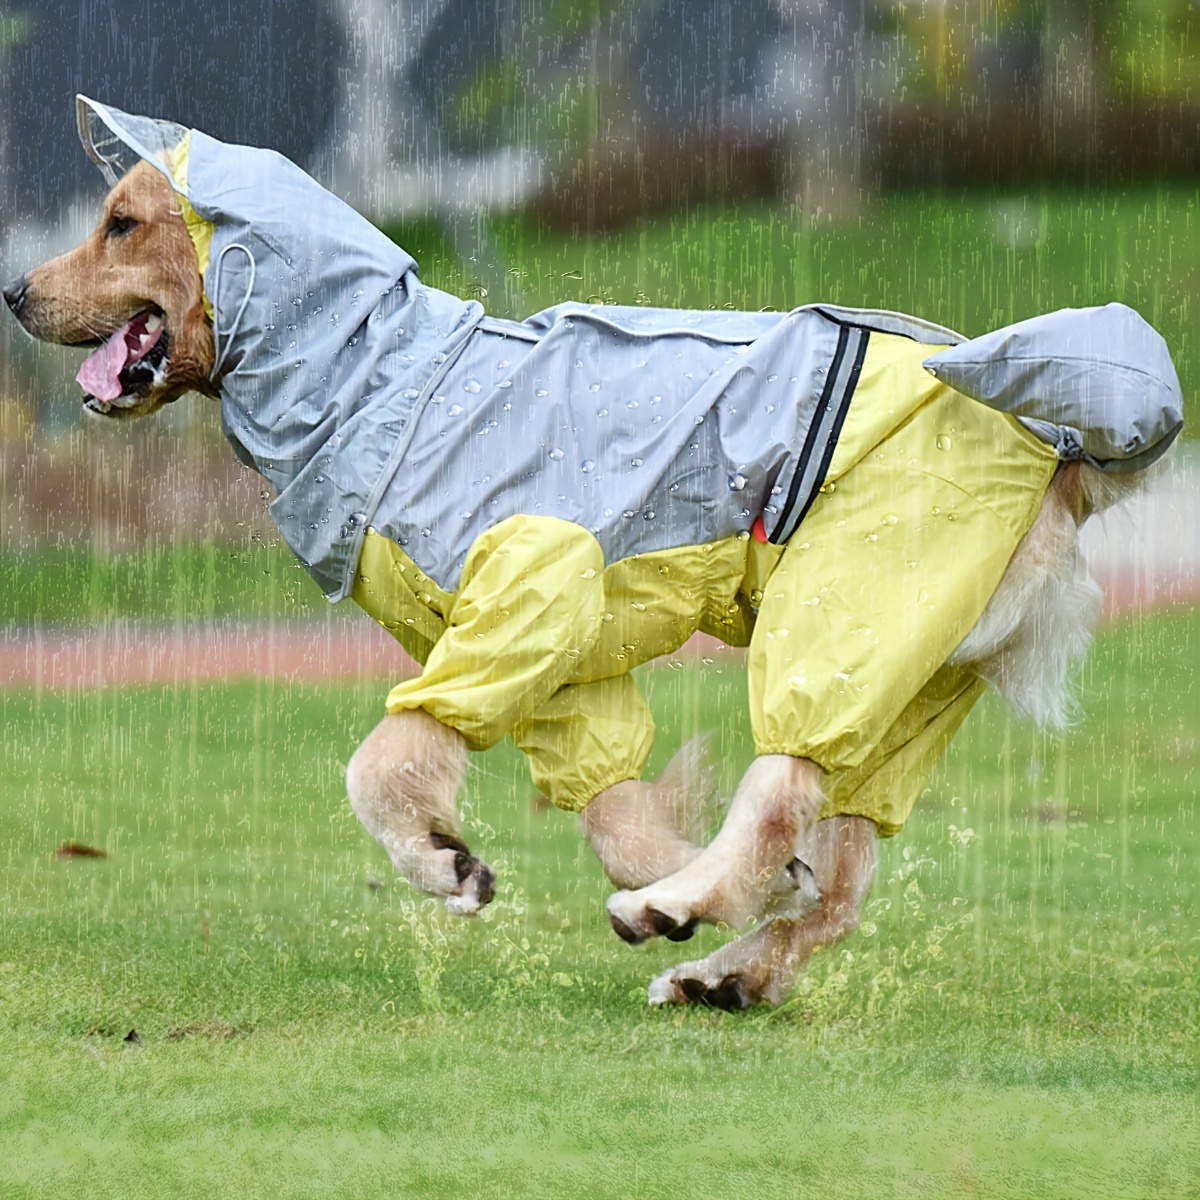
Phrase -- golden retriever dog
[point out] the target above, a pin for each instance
(845, 738)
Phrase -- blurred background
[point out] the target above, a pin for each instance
(971, 161)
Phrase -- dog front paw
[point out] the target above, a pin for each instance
(477, 889)
(476, 884)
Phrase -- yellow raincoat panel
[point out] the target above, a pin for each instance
(539, 638)
(893, 564)
(926, 497)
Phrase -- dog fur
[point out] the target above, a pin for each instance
(771, 861)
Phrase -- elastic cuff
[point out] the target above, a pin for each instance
(576, 799)
(788, 752)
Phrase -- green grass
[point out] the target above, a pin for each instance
(970, 259)
(1018, 1017)
(72, 583)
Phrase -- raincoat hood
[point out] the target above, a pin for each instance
(323, 334)
(1097, 383)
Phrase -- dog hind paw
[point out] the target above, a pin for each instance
(664, 990)
(478, 889)
(661, 925)
(633, 920)
(733, 991)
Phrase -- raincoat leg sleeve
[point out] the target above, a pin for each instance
(890, 569)
(527, 609)
(586, 738)
(885, 786)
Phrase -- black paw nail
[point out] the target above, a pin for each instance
(800, 872)
(663, 925)
(730, 994)
(625, 932)
(447, 841)
(684, 931)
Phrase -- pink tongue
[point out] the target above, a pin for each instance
(101, 370)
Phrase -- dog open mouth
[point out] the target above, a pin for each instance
(119, 372)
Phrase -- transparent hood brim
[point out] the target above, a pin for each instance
(115, 141)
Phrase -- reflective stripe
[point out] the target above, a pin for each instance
(824, 430)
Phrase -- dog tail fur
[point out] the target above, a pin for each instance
(1038, 626)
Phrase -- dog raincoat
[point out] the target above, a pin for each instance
(532, 508)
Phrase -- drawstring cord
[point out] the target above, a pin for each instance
(219, 351)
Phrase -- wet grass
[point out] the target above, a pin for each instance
(75, 584)
(1018, 1016)
(970, 259)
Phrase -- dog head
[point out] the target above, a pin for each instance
(132, 290)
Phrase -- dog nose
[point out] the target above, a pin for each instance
(14, 293)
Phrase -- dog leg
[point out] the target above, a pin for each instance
(733, 879)
(764, 963)
(645, 831)
(403, 781)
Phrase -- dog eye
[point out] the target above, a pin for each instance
(119, 226)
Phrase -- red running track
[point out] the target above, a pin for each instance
(341, 648)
